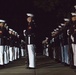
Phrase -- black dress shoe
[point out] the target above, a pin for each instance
(73, 67)
(31, 68)
(66, 64)
(27, 67)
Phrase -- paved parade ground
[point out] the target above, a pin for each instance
(44, 66)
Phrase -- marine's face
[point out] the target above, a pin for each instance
(10, 32)
(74, 18)
(65, 23)
(1, 24)
(46, 38)
(29, 19)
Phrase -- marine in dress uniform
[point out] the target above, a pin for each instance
(7, 42)
(22, 48)
(57, 44)
(2, 31)
(18, 45)
(65, 41)
(10, 45)
(15, 45)
(55, 40)
(26, 50)
(61, 43)
(73, 37)
(30, 41)
(46, 47)
(53, 44)
(6, 58)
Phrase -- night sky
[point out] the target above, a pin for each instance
(14, 12)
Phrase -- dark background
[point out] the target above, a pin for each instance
(48, 14)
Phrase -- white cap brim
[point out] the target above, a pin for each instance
(62, 24)
(75, 6)
(10, 29)
(29, 14)
(66, 19)
(73, 14)
(3, 21)
(57, 28)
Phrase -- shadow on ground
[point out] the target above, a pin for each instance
(15, 63)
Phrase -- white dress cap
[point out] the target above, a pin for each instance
(3, 21)
(73, 14)
(24, 30)
(29, 14)
(57, 28)
(10, 29)
(66, 19)
(62, 24)
(6, 27)
(75, 6)
(18, 35)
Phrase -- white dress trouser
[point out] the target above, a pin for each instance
(22, 52)
(74, 53)
(47, 52)
(54, 53)
(5, 55)
(44, 51)
(13, 51)
(31, 55)
(16, 53)
(10, 54)
(62, 52)
(1, 55)
(66, 54)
